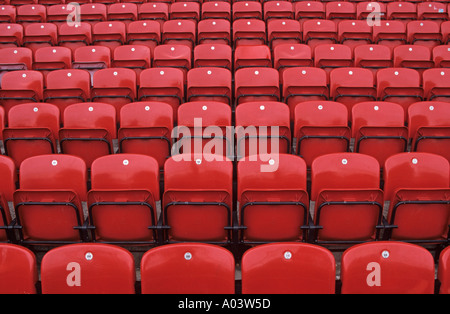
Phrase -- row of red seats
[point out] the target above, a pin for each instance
(272, 201)
(192, 268)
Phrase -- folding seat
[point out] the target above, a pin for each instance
(417, 186)
(145, 33)
(19, 272)
(249, 32)
(404, 12)
(163, 84)
(7, 13)
(252, 56)
(318, 32)
(373, 57)
(58, 13)
(67, 87)
(146, 128)
(354, 33)
(390, 33)
(32, 130)
(88, 131)
(320, 128)
(88, 268)
(185, 10)
(21, 87)
(198, 210)
(92, 58)
(399, 85)
(114, 86)
(247, 10)
(124, 192)
(93, 13)
(262, 127)
(109, 34)
(179, 32)
(445, 30)
(15, 58)
(288, 268)
(209, 84)
(73, 37)
(379, 129)
(428, 123)
(216, 10)
(283, 31)
(213, 55)
(11, 35)
(436, 11)
(214, 31)
(181, 268)
(173, 56)
(309, 10)
(441, 56)
(124, 12)
(8, 172)
(291, 55)
(204, 126)
(387, 268)
(425, 33)
(158, 11)
(37, 35)
(31, 13)
(135, 57)
(348, 198)
(375, 10)
(256, 84)
(443, 275)
(331, 56)
(436, 84)
(48, 204)
(351, 85)
(340, 10)
(273, 198)
(278, 10)
(302, 84)
(47, 59)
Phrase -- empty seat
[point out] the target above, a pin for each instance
(283, 31)
(19, 272)
(443, 276)
(8, 13)
(417, 186)
(92, 59)
(209, 84)
(278, 10)
(145, 33)
(379, 129)
(349, 201)
(58, 13)
(288, 268)
(376, 10)
(252, 56)
(47, 59)
(179, 32)
(436, 84)
(93, 13)
(247, 10)
(253, 84)
(204, 126)
(162, 84)
(91, 268)
(317, 32)
(249, 32)
(445, 30)
(181, 268)
(428, 123)
(203, 213)
(88, 130)
(21, 87)
(12, 35)
(146, 128)
(32, 130)
(354, 33)
(216, 10)
(8, 171)
(330, 56)
(31, 13)
(291, 55)
(304, 84)
(135, 57)
(15, 58)
(125, 12)
(186, 10)
(273, 198)
(175, 56)
(390, 33)
(72, 37)
(338, 10)
(124, 191)
(441, 56)
(413, 57)
(425, 33)
(387, 268)
(213, 55)
(373, 57)
(48, 204)
(109, 34)
(433, 10)
(401, 11)
(320, 127)
(158, 11)
(37, 35)
(214, 31)
(309, 10)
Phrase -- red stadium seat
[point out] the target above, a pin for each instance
(373, 57)
(37, 35)
(317, 32)
(93, 13)
(273, 198)
(309, 10)
(387, 268)
(216, 10)
(436, 84)
(252, 56)
(146, 128)
(443, 272)
(15, 58)
(354, 33)
(401, 11)
(257, 84)
(92, 59)
(189, 10)
(390, 33)
(109, 34)
(433, 10)
(283, 31)
(200, 209)
(213, 55)
(8, 171)
(175, 56)
(247, 10)
(124, 12)
(91, 268)
(179, 32)
(425, 33)
(135, 57)
(193, 268)
(441, 56)
(7, 13)
(88, 130)
(145, 33)
(158, 11)
(47, 59)
(291, 55)
(349, 201)
(366, 8)
(413, 57)
(330, 56)
(19, 272)
(31, 13)
(320, 127)
(76, 36)
(339, 10)
(249, 32)
(214, 31)
(58, 13)
(278, 10)
(12, 35)
(209, 84)
(288, 268)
